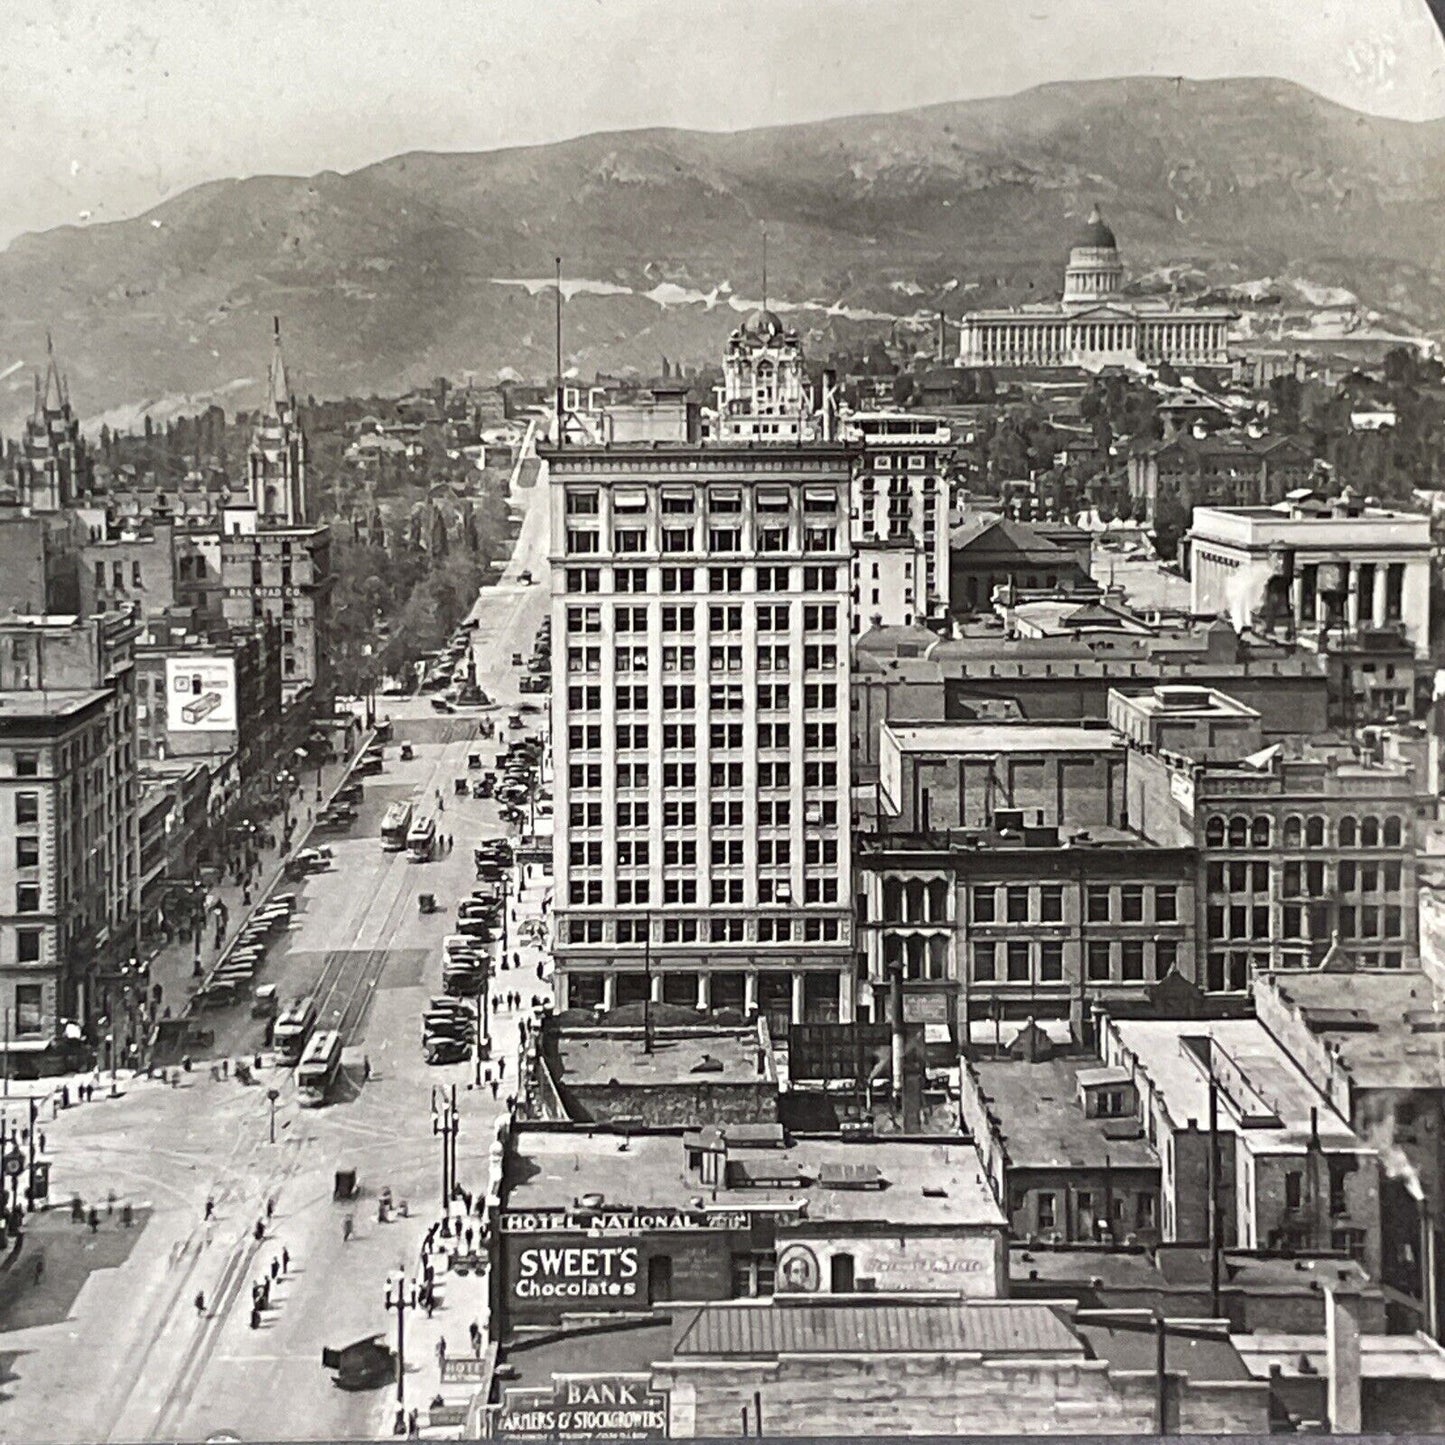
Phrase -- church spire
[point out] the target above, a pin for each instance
(54, 397)
(278, 390)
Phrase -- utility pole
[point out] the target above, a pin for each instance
(400, 1296)
(1213, 1186)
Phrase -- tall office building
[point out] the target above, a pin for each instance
(700, 623)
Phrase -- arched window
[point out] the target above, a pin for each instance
(1294, 831)
(765, 384)
(1214, 833)
(1394, 832)
(1315, 832)
(916, 892)
(1238, 832)
(1260, 830)
(1349, 832)
(1369, 833)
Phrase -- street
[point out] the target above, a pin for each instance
(127, 1353)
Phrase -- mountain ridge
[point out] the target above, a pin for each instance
(386, 275)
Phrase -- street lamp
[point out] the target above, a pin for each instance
(445, 1124)
(400, 1296)
(272, 1095)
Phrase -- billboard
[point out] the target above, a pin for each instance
(586, 1407)
(597, 1276)
(200, 694)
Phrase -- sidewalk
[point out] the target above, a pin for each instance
(463, 1299)
(173, 966)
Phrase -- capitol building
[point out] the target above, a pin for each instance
(1095, 325)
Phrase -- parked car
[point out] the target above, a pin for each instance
(447, 1051)
(440, 704)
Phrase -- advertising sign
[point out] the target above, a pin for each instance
(924, 1264)
(584, 1273)
(201, 694)
(464, 1370)
(621, 1220)
(586, 1407)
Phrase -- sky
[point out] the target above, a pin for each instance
(107, 108)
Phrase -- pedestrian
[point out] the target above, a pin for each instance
(255, 1317)
(94, 1220)
(346, 1228)
(429, 1302)
(442, 1350)
(270, 1207)
(210, 1209)
(39, 1268)
(285, 1261)
(493, 1083)
(127, 1215)
(501, 1067)
(366, 1068)
(275, 1267)
(110, 1204)
(476, 1333)
(413, 1425)
(200, 1302)
(260, 1230)
(77, 1210)
(516, 960)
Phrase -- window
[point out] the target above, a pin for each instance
(27, 852)
(1099, 961)
(1051, 961)
(584, 579)
(1099, 910)
(1017, 905)
(27, 807)
(29, 1004)
(1047, 1207)
(1166, 905)
(983, 963)
(27, 945)
(1166, 957)
(1293, 1189)
(1018, 962)
(581, 503)
(27, 898)
(724, 539)
(27, 765)
(1131, 960)
(1131, 901)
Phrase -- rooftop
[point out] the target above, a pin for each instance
(632, 1350)
(1128, 1342)
(1386, 1029)
(1041, 1120)
(992, 738)
(595, 1056)
(1382, 1357)
(918, 1183)
(27, 705)
(1263, 1095)
(1179, 700)
(986, 1327)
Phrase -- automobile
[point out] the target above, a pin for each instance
(458, 943)
(525, 577)
(447, 1051)
(478, 928)
(515, 721)
(318, 860)
(516, 659)
(530, 707)
(433, 682)
(440, 704)
(349, 793)
(442, 1004)
(265, 1002)
(396, 689)
(482, 787)
(450, 1021)
(532, 684)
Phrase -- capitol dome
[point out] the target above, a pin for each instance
(1096, 235)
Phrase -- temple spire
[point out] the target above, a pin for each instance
(278, 390)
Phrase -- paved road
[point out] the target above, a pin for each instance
(130, 1357)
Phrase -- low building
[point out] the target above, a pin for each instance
(622, 1223)
(1371, 1043)
(1063, 1145)
(987, 554)
(1235, 469)
(1291, 1173)
(1298, 843)
(1310, 563)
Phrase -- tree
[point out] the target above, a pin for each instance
(1171, 521)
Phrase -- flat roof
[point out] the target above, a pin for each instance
(1271, 1081)
(1382, 1357)
(986, 1327)
(1041, 1117)
(595, 1056)
(1198, 1351)
(558, 1166)
(994, 737)
(34, 705)
(1387, 1028)
(630, 1350)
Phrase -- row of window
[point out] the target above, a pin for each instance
(1132, 960)
(638, 891)
(720, 541)
(768, 581)
(726, 501)
(682, 697)
(683, 852)
(1044, 903)
(1350, 876)
(720, 775)
(635, 737)
(770, 657)
(675, 617)
(696, 930)
(1311, 832)
(682, 813)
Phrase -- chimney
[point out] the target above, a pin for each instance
(942, 339)
(1342, 1330)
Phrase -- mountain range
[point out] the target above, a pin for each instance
(430, 264)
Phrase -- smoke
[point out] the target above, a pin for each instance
(1379, 1132)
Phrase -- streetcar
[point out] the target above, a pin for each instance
(294, 1027)
(319, 1069)
(395, 826)
(422, 840)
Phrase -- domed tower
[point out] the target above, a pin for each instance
(763, 383)
(1094, 272)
